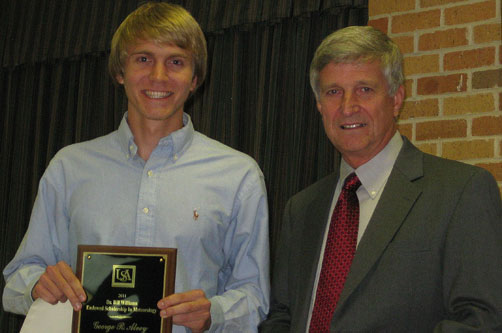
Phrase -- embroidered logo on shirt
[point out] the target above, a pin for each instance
(195, 215)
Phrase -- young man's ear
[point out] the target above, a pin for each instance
(119, 78)
(194, 84)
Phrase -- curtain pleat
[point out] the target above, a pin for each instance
(55, 90)
(38, 30)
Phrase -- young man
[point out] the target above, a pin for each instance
(411, 243)
(154, 182)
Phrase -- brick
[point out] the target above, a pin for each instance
(408, 87)
(487, 79)
(431, 3)
(469, 104)
(443, 39)
(442, 84)
(415, 21)
(470, 13)
(421, 108)
(429, 148)
(405, 43)
(469, 59)
(406, 130)
(421, 64)
(441, 129)
(500, 103)
(494, 168)
(465, 150)
(487, 126)
(380, 24)
(389, 6)
(487, 33)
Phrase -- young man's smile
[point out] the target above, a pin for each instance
(158, 78)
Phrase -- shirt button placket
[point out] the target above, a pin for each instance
(145, 228)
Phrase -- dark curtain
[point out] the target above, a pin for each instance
(55, 90)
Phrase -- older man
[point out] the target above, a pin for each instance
(394, 240)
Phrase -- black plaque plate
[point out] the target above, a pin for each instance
(123, 286)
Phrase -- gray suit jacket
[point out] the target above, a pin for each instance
(429, 260)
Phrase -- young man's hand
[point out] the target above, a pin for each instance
(190, 309)
(59, 284)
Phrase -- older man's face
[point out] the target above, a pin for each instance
(357, 112)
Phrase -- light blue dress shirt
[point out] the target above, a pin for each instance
(194, 194)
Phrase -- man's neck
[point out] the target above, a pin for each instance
(147, 133)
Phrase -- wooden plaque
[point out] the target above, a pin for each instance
(123, 285)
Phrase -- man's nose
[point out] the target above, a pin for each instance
(350, 103)
(158, 72)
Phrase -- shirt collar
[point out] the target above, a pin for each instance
(174, 145)
(374, 173)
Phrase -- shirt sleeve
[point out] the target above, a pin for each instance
(41, 246)
(243, 284)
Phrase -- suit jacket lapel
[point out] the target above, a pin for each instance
(398, 197)
(316, 218)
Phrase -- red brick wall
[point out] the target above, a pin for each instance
(452, 60)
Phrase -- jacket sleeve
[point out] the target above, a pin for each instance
(472, 270)
(279, 318)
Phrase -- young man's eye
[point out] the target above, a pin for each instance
(142, 59)
(177, 62)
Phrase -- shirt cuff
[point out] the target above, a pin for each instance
(28, 298)
(217, 316)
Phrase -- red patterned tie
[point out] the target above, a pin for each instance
(338, 255)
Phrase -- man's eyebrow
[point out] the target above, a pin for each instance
(141, 52)
(359, 82)
(367, 82)
(179, 55)
(174, 55)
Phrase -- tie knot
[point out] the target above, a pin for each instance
(352, 182)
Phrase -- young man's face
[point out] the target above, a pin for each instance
(158, 79)
(357, 112)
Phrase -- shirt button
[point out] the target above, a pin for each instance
(131, 147)
(149, 173)
(146, 210)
